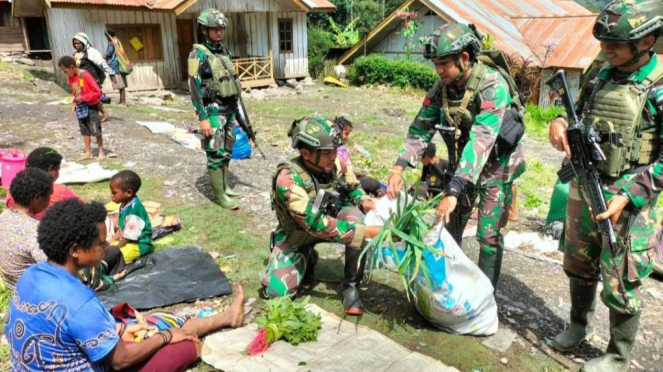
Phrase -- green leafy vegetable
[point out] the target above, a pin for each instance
(287, 319)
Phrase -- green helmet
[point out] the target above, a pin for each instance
(625, 21)
(212, 18)
(451, 39)
(316, 132)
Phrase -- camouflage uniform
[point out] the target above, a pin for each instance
(215, 91)
(293, 256)
(479, 165)
(636, 174)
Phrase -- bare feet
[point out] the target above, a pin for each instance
(85, 156)
(101, 157)
(235, 313)
(105, 117)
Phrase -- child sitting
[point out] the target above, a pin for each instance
(86, 96)
(134, 233)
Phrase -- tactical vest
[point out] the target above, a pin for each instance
(461, 113)
(616, 112)
(295, 234)
(224, 82)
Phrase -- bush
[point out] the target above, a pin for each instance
(319, 43)
(376, 69)
(537, 119)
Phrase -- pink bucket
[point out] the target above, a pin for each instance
(13, 162)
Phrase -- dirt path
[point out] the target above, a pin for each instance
(533, 295)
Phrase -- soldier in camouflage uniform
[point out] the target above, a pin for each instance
(623, 99)
(215, 92)
(488, 100)
(295, 187)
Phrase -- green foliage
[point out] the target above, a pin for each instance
(376, 69)
(347, 37)
(319, 43)
(537, 119)
(488, 42)
(284, 318)
(410, 28)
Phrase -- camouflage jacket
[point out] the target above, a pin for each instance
(476, 165)
(195, 80)
(641, 187)
(291, 191)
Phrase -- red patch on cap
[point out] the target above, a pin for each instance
(487, 105)
(426, 101)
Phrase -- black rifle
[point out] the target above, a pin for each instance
(448, 134)
(585, 155)
(330, 203)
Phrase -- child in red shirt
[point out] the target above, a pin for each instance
(85, 92)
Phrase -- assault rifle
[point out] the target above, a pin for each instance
(448, 134)
(585, 155)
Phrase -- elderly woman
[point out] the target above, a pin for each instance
(49, 160)
(31, 191)
(57, 323)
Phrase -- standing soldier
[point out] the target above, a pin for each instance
(295, 187)
(215, 91)
(475, 102)
(624, 101)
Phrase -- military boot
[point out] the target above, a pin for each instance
(353, 273)
(229, 191)
(623, 328)
(309, 274)
(491, 265)
(581, 328)
(219, 185)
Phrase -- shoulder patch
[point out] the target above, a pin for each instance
(488, 94)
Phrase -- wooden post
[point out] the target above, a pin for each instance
(25, 35)
(271, 64)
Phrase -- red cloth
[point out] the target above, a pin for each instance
(89, 92)
(60, 192)
(170, 358)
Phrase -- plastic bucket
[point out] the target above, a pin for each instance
(12, 163)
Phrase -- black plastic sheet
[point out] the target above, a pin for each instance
(168, 277)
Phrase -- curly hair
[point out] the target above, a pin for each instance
(127, 180)
(67, 61)
(97, 211)
(30, 183)
(44, 158)
(68, 223)
(342, 123)
(430, 150)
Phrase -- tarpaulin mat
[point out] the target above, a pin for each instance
(168, 277)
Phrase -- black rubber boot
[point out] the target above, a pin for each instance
(623, 329)
(581, 328)
(353, 273)
(309, 274)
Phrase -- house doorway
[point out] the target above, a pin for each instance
(185, 40)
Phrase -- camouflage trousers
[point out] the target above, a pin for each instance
(219, 146)
(288, 264)
(585, 258)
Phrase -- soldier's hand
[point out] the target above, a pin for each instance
(395, 182)
(446, 207)
(205, 128)
(557, 136)
(615, 207)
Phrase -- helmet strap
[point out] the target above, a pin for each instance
(637, 55)
(462, 69)
(315, 166)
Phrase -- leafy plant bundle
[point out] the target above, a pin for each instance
(409, 224)
(287, 319)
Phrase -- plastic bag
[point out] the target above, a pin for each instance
(242, 147)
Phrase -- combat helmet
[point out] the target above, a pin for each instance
(315, 132)
(212, 18)
(628, 21)
(452, 38)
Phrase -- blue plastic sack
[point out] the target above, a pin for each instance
(82, 111)
(242, 148)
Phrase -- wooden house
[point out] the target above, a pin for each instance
(22, 34)
(268, 38)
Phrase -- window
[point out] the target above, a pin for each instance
(285, 35)
(142, 43)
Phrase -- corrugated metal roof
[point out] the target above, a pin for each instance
(151, 4)
(319, 5)
(495, 17)
(569, 39)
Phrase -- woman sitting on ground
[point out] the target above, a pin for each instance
(19, 250)
(49, 160)
(57, 323)
(371, 186)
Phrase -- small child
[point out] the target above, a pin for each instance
(85, 92)
(134, 233)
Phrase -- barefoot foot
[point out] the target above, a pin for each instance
(235, 313)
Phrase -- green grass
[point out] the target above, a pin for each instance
(536, 186)
(538, 119)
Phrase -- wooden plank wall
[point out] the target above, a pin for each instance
(295, 64)
(6, 19)
(235, 6)
(573, 76)
(63, 24)
(234, 37)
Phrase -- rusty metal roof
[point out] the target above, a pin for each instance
(318, 5)
(567, 40)
(495, 17)
(150, 4)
